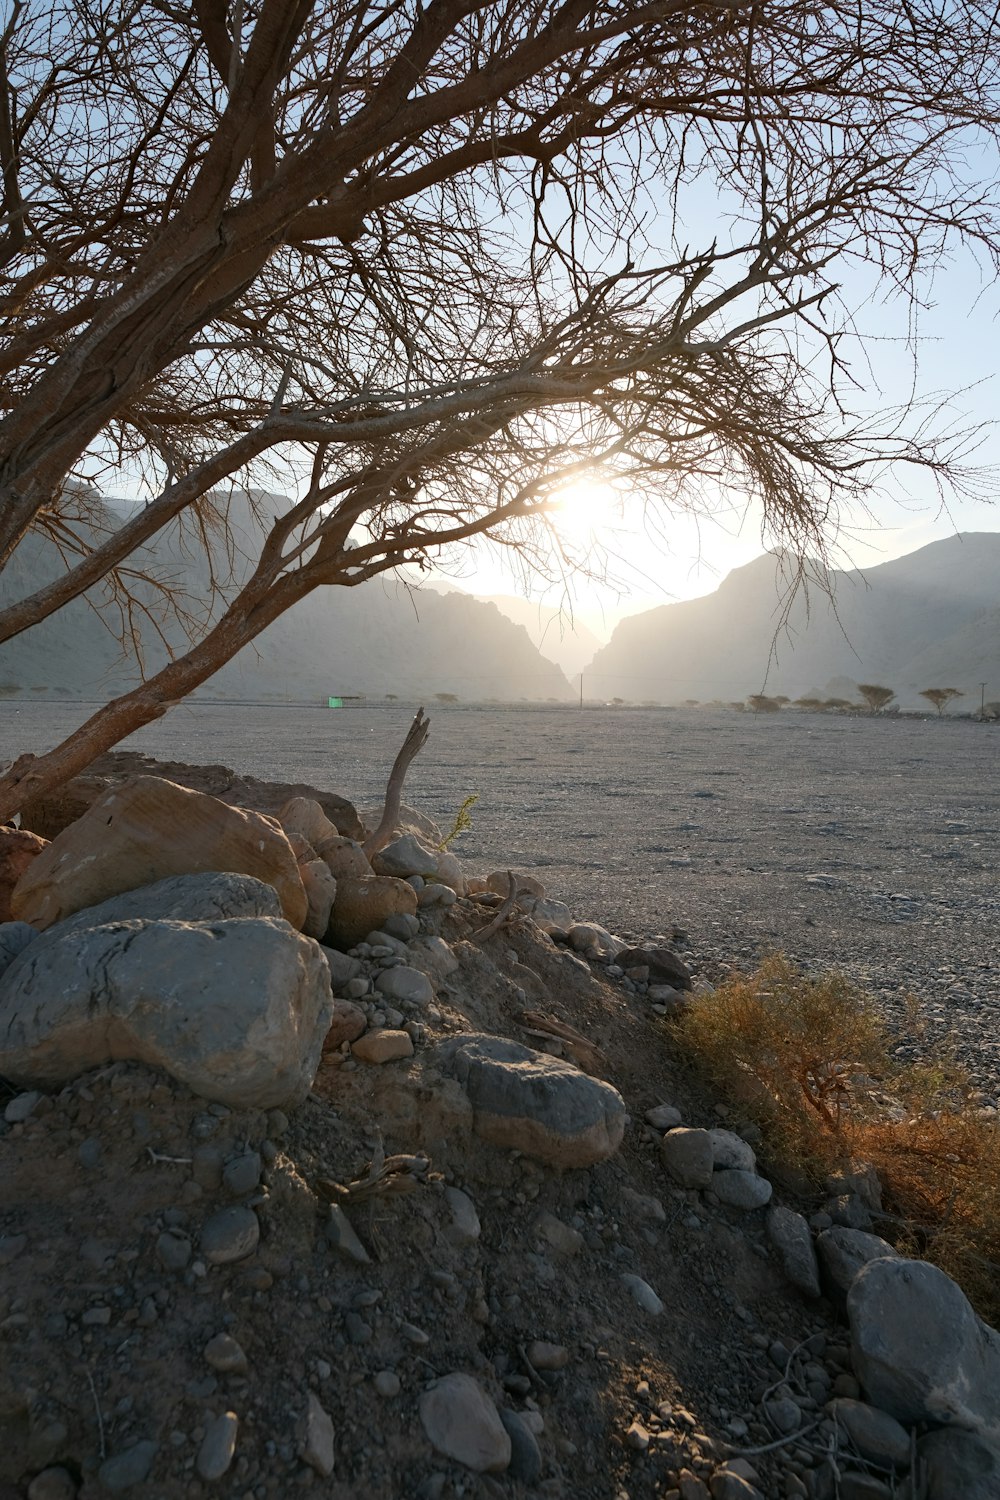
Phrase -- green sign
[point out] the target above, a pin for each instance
(334, 702)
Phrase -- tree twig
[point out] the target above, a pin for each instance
(411, 747)
(513, 891)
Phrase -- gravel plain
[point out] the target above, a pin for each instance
(870, 845)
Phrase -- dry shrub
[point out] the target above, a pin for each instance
(810, 1061)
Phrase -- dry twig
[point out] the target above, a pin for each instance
(411, 747)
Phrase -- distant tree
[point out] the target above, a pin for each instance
(838, 703)
(691, 702)
(446, 697)
(810, 703)
(761, 704)
(782, 698)
(875, 697)
(991, 710)
(941, 697)
(618, 702)
(390, 697)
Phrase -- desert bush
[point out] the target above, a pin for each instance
(810, 1061)
(761, 704)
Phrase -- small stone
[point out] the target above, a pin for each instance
(317, 1450)
(525, 1454)
(241, 1176)
(405, 984)
(21, 1107)
(173, 1250)
(741, 1189)
(386, 1383)
(784, 1413)
(643, 1294)
(224, 1354)
(52, 1484)
(89, 1153)
(731, 1150)
(342, 1236)
(663, 1117)
(358, 1331)
(96, 1317)
(462, 1422)
(123, 1470)
(637, 1437)
(465, 1226)
(687, 1156)
(791, 1237)
(218, 1446)
(690, 1487)
(378, 1047)
(229, 1235)
(563, 1238)
(727, 1485)
(545, 1356)
(876, 1436)
(414, 1335)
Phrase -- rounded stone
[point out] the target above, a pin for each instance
(229, 1235)
(218, 1446)
(462, 1422)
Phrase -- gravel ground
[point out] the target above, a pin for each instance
(868, 844)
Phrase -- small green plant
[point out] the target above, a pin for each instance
(463, 820)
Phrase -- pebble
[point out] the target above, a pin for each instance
(563, 1238)
(21, 1107)
(784, 1413)
(122, 1471)
(218, 1446)
(643, 1294)
(741, 1189)
(525, 1454)
(229, 1235)
(377, 1047)
(465, 1225)
(341, 1235)
(663, 1117)
(414, 1335)
(317, 1450)
(89, 1152)
(462, 1422)
(358, 1331)
(52, 1484)
(387, 1383)
(242, 1175)
(227, 1356)
(173, 1250)
(545, 1356)
(637, 1437)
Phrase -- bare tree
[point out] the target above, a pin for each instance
(875, 697)
(421, 264)
(941, 697)
(760, 703)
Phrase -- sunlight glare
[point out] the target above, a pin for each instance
(585, 509)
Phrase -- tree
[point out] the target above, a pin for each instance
(875, 697)
(446, 697)
(941, 697)
(761, 704)
(353, 253)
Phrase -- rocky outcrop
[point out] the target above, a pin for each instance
(236, 1009)
(148, 829)
(18, 851)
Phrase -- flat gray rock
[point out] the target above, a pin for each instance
(214, 896)
(919, 1349)
(791, 1237)
(876, 1436)
(530, 1102)
(236, 1009)
(462, 1422)
(741, 1189)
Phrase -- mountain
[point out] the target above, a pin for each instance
(558, 636)
(382, 637)
(930, 619)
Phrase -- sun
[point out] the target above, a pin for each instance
(586, 509)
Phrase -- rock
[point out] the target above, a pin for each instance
(317, 1447)
(230, 1234)
(142, 832)
(216, 895)
(363, 905)
(122, 1471)
(21, 1107)
(387, 1383)
(637, 1437)
(550, 916)
(463, 1423)
(236, 1009)
(784, 1414)
(465, 1226)
(304, 816)
(643, 1294)
(498, 882)
(644, 1206)
(690, 1487)
(52, 1484)
(449, 872)
(346, 1025)
(433, 956)
(525, 1454)
(590, 937)
(436, 893)
(320, 887)
(791, 1237)
(173, 1250)
(227, 1356)
(664, 966)
(11, 1246)
(14, 938)
(958, 1466)
(18, 851)
(345, 860)
(850, 1211)
(406, 856)
(563, 1238)
(241, 1176)
(732, 1151)
(741, 1189)
(919, 1350)
(342, 967)
(663, 1117)
(726, 1485)
(537, 1104)
(218, 1446)
(383, 1046)
(875, 1435)
(842, 1253)
(404, 927)
(546, 1356)
(342, 1236)
(687, 1156)
(405, 984)
(860, 1179)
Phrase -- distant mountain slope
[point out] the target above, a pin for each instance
(930, 619)
(379, 638)
(567, 642)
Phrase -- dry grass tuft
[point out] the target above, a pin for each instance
(810, 1061)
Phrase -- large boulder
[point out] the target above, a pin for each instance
(663, 964)
(145, 830)
(361, 906)
(919, 1349)
(530, 1102)
(51, 812)
(843, 1252)
(236, 1009)
(215, 896)
(956, 1465)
